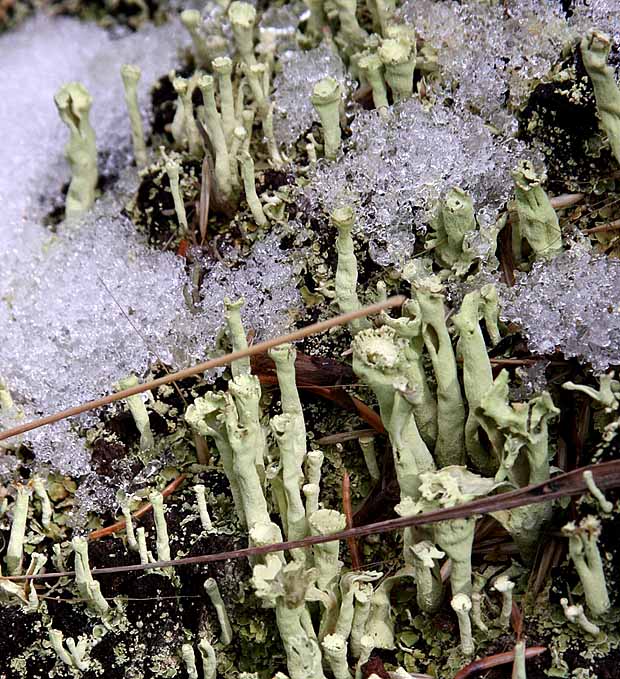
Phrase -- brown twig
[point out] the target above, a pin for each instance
(495, 660)
(606, 475)
(604, 228)
(565, 200)
(259, 348)
(119, 525)
(348, 512)
(340, 437)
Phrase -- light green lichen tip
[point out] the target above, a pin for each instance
(242, 17)
(130, 75)
(15, 549)
(73, 103)
(343, 219)
(326, 97)
(138, 411)
(398, 56)
(595, 48)
(584, 552)
(372, 67)
(537, 220)
(461, 605)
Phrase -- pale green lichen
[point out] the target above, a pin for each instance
(454, 220)
(73, 103)
(88, 587)
(504, 585)
(40, 492)
(398, 56)
(605, 505)
(326, 98)
(213, 592)
(335, 650)
(450, 446)
(477, 381)
(247, 174)
(173, 170)
(185, 90)
(285, 588)
(372, 68)
(343, 219)
(367, 444)
(351, 34)
(524, 427)
(461, 605)
(191, 19)
(138, 411)
(203, 510)
(15, 549)
(75, 656)
(209, 660)
(595, 48)
(130, 74)
(162, 541)
(215, 130)
(223, 68)
(324, 522)
(429, 588)
(377, 360)
(189, 658)
(242, 17)
(575, 614)
(380, 622)
(537, 220)
(584, 553)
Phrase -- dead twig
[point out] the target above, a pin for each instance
(604, 228)
(495, 660)
(343, 436)
(259, 348)
(348, 512)
(606, 475)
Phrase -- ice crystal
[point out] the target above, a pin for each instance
(293, 87)
(490, 52)
(394, 170)
(493, 54)
(570, 303)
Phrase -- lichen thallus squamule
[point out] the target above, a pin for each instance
(327, 616)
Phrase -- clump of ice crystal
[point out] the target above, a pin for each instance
(294, 112)
(393, 171)
(570, 303)
(489, 53)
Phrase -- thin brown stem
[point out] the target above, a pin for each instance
(606, 475)
(348, 512)
(495, 660)
(259, 348)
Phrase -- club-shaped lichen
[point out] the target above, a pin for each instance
(595, 48)
(214, 595)
(584, 553)
(326, 99)
(73, 103)
(130, 74)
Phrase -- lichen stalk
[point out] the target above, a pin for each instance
(130, 75)
(214, 595)
(73, 103)
(326, 97)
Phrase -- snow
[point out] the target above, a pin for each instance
(86, 306)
